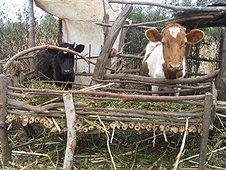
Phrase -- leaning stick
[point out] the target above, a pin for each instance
(108, 145)
(154, 134)
(71, 133)
(113, 132)
(197, 155)
(56, 125)
(182, 146)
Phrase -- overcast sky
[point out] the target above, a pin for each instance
(13, 6)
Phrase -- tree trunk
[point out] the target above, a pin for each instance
(221, 78)
(60, 33)
(31, 30)
(5, 147)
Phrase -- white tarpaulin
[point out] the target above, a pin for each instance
(79, 25)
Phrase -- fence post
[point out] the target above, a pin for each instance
(6, 149)
(71, 133)
(205, 129)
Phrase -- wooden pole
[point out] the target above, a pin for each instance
(31, 30)
(106, 30)
(60, 32)
(205, 129)
(221, 78)
(71, 133)
(104, 54)
(6, 149)
(31, 24)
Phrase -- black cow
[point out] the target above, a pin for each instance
(57, 65)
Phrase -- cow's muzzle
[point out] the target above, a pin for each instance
(175, 66)
(66, 72)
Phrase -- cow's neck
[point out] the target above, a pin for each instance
(171, 74)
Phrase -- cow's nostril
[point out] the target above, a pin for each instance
(175, 67)
(67, 72)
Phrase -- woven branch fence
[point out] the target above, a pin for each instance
(84, 112)
(16, 106)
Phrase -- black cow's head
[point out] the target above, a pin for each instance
(64, 59)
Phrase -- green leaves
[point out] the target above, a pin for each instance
(135, 39)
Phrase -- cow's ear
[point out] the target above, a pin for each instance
(194, 36)
(79, 48)
(52, 51)
(153, 35)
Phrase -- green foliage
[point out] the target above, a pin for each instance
(212, 33)
(149, 106)
(34, 84)
(46, 30)
(14, 31)
(14, 38)
(186, 3)
(135, 38)
(201, 2)
(41, 100)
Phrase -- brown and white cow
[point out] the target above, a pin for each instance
(165, 52)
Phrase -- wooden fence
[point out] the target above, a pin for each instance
(16, 106)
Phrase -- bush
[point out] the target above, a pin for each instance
(135, 38)
(14, 32)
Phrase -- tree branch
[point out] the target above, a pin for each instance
(161, 80)
(124, 97)
(175, 19)
(42, 47)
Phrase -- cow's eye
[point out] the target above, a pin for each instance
(165, 44)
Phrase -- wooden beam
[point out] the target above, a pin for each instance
(113, 33)
(133, 77)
